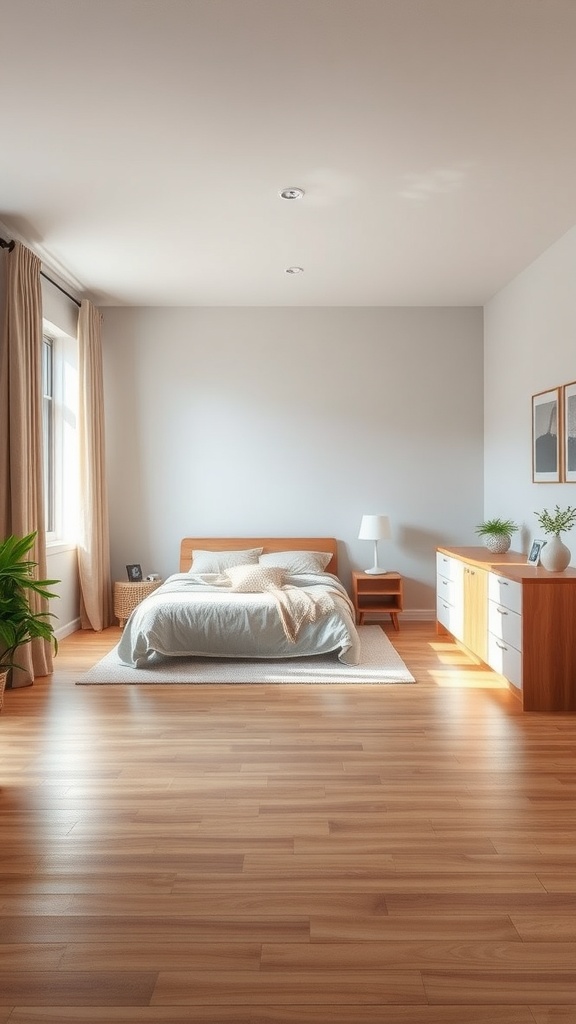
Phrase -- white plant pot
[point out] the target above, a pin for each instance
(555, 556)
(498, 544)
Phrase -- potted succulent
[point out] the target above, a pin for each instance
(555, 556)
(19, 624)
(497, 534)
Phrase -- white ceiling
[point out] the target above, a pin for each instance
(143, 144)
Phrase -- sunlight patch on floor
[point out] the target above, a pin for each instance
(469, 677)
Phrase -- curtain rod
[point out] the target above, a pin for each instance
(10, 245)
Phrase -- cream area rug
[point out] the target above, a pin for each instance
(380, 664)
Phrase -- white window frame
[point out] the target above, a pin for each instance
(64, 497)
(48, 434)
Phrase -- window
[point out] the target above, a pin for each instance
(59, 420)
(48, 431)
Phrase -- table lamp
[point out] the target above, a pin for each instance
(375, 528)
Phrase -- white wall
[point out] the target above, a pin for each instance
(530, 346)
(270, 421)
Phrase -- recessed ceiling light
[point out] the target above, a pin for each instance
(292, 193)
(294, 270)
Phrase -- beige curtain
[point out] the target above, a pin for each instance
(21, 471)
(93, 541)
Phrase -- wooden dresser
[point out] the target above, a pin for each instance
(517, 618)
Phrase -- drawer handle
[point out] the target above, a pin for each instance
(501, 646)
(445, 582)
(503, 582)
(501, 611)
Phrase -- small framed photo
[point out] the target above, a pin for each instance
(546, 468)
(569, 432)
(534, 553)
(134, 573)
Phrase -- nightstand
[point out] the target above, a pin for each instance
(128, 595)
(377, 595)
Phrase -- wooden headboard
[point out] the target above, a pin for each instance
(188, 544)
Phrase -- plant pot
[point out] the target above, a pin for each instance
(555, 556)
(498, 543)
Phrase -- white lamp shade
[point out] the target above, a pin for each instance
(374, 528)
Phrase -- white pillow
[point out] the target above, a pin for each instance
(295, 562)
(253, 579)
(219, 561)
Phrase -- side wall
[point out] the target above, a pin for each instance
(294, 421)
(530, 346)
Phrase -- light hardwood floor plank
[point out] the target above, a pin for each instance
(297, 855)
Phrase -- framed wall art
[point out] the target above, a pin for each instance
(569, 432)
(546, 449)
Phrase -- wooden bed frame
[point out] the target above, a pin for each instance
(188, 544)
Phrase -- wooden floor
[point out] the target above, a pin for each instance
(286, 855)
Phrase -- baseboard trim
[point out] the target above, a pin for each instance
(408, 615)
(418, 614)
(70, 627)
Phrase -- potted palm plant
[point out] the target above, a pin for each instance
(555, 556)
(497, 534)
(19, 624)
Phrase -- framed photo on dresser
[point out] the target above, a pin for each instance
(534, 553)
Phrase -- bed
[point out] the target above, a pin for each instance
(246, 598)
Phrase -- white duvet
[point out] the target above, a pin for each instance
(193, 615)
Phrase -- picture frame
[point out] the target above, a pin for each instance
(134, 573)
(534, 553)
(569, 432)
(546, 437)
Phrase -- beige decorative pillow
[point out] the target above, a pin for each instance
(253, 579)
(220, 561)
(295, 562)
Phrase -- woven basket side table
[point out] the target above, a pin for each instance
(128, 594)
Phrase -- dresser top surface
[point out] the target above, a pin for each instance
(513, 565)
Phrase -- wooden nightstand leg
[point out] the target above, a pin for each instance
(394, 617)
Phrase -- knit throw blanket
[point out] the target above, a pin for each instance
(296, 606)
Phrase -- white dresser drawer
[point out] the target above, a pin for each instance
(505, 659)
(449, 568)
(444, 612)
(508, 593)
(449, 616)
(505, 624)
(445, 588)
